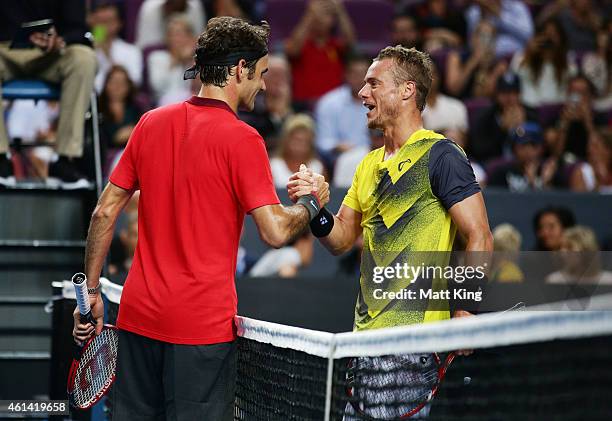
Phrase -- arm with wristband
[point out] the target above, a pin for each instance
(338, 232)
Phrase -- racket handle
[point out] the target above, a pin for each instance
(79, 280)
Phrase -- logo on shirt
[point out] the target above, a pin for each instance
(401, 164)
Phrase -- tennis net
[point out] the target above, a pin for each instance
(544, 365)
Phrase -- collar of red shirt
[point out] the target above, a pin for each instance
(210, 102)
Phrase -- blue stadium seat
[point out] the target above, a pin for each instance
(30, 89)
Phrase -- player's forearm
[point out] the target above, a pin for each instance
(287, 225)
(99, 238)
(340, 240)
(480, 241)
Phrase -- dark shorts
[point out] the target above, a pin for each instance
(163, 381)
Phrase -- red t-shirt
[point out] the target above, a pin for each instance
(199, 170)
(317, 70)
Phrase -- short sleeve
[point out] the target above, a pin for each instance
(351, 199)
(450, 174)
(125, 174)
(251, 175)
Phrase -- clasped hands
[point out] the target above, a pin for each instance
(305, 182)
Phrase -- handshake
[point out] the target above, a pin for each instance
(312, 191)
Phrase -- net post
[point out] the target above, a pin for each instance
(330, 379)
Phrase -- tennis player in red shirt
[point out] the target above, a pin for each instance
(199, 171)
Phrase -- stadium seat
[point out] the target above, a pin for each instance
(372, 20)
(130, 10)
(549, 114)
(475, 106)
(30, 89)
(283, 16)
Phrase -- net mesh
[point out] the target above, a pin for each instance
(527, 365)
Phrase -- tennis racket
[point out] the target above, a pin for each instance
(397, 387)
(92, 371)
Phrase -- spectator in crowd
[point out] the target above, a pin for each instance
(506, 245)
(443, 112)
(166, 67)
(34, 122)
(512, 21)
(473, 71)
(441, 26)
(549, 224)
(597, 66)
(580, 18)
(405, 32)
(340, 114)
(597, 174)
(119, 112)
(581, 259)
(153, 19)
(526, 170)
(315, 53)
(295, 148)
(286, 261)
(106, 24)
(578, 119)
(347, 162)
(274, 106)
(447, 115)
(60, 54)
(490, 134)
(544, 67)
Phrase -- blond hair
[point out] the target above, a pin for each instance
(582, 237)
(296, 122)
(506, 238)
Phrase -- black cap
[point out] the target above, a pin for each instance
(509, 81)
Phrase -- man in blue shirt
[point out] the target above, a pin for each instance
(341, 122)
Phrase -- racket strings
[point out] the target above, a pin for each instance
(400, 381)
(96, 366)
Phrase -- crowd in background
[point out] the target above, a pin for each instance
(524, 87)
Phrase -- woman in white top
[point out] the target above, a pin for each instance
(154, 14)
(581, 259)
(296, 147)
(166, 67)
(545, 66)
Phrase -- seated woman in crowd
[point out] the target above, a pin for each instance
(296, 147)
(166, 67)
(597, 174)
(474, 72)
(597, 66)
(154, 15)
(581, 260)
(118, 108)
(549, 224)
(545, 67)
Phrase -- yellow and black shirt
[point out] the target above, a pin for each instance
(404, 202)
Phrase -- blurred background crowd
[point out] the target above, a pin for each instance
(524, 86)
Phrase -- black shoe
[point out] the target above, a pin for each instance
(7, 175)
(64, 174)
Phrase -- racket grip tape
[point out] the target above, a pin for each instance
(79, 280)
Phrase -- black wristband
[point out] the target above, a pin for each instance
(311, 203)
(323, 223)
